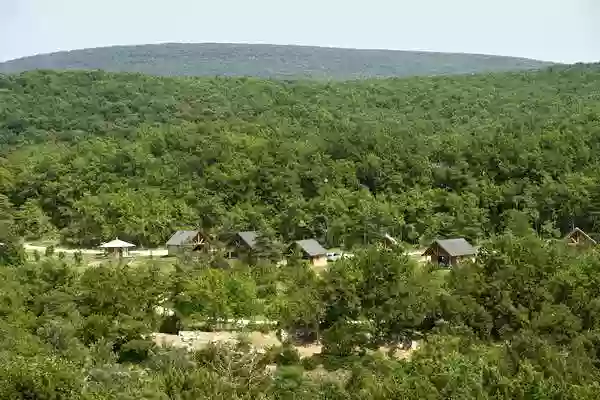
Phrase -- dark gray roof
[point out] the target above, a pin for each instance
(456, 247)
(249, 238)
(311, 247)
(180, 238)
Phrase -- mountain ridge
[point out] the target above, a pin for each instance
(269, 61)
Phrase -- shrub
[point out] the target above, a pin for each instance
(171, 325)
(135, 351)
(78, 257)
(49, 251)
(288, 355)
(311, 363)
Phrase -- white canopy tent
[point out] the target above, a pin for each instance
(117, 247)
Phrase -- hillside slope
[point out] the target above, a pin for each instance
(98, 155)
(260, 60)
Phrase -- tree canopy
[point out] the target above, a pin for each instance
(517, 323)
(507, 160)
(94, 155)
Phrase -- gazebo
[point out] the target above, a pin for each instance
(117, 247)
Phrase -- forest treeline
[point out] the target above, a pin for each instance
(521, 322)
(93, 155)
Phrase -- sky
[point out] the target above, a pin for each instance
(552, 30)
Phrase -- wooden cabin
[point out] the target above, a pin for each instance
(183, 241)
(312, 250)
(450, 252)
(242, 243)
(578, 237)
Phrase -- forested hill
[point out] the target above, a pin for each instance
(261, 60)
(93, 155)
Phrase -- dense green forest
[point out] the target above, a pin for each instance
(93, 155)
(507, 160)
(521, 322)
(268, 61)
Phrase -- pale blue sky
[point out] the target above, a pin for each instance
(555, 30)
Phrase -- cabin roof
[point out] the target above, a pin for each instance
(180, 238)
(390, 239)
(311, 247)
(454, 247)
(249, 237)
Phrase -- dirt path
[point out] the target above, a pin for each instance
(416, 254)
(194, 340)
(139, 253)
